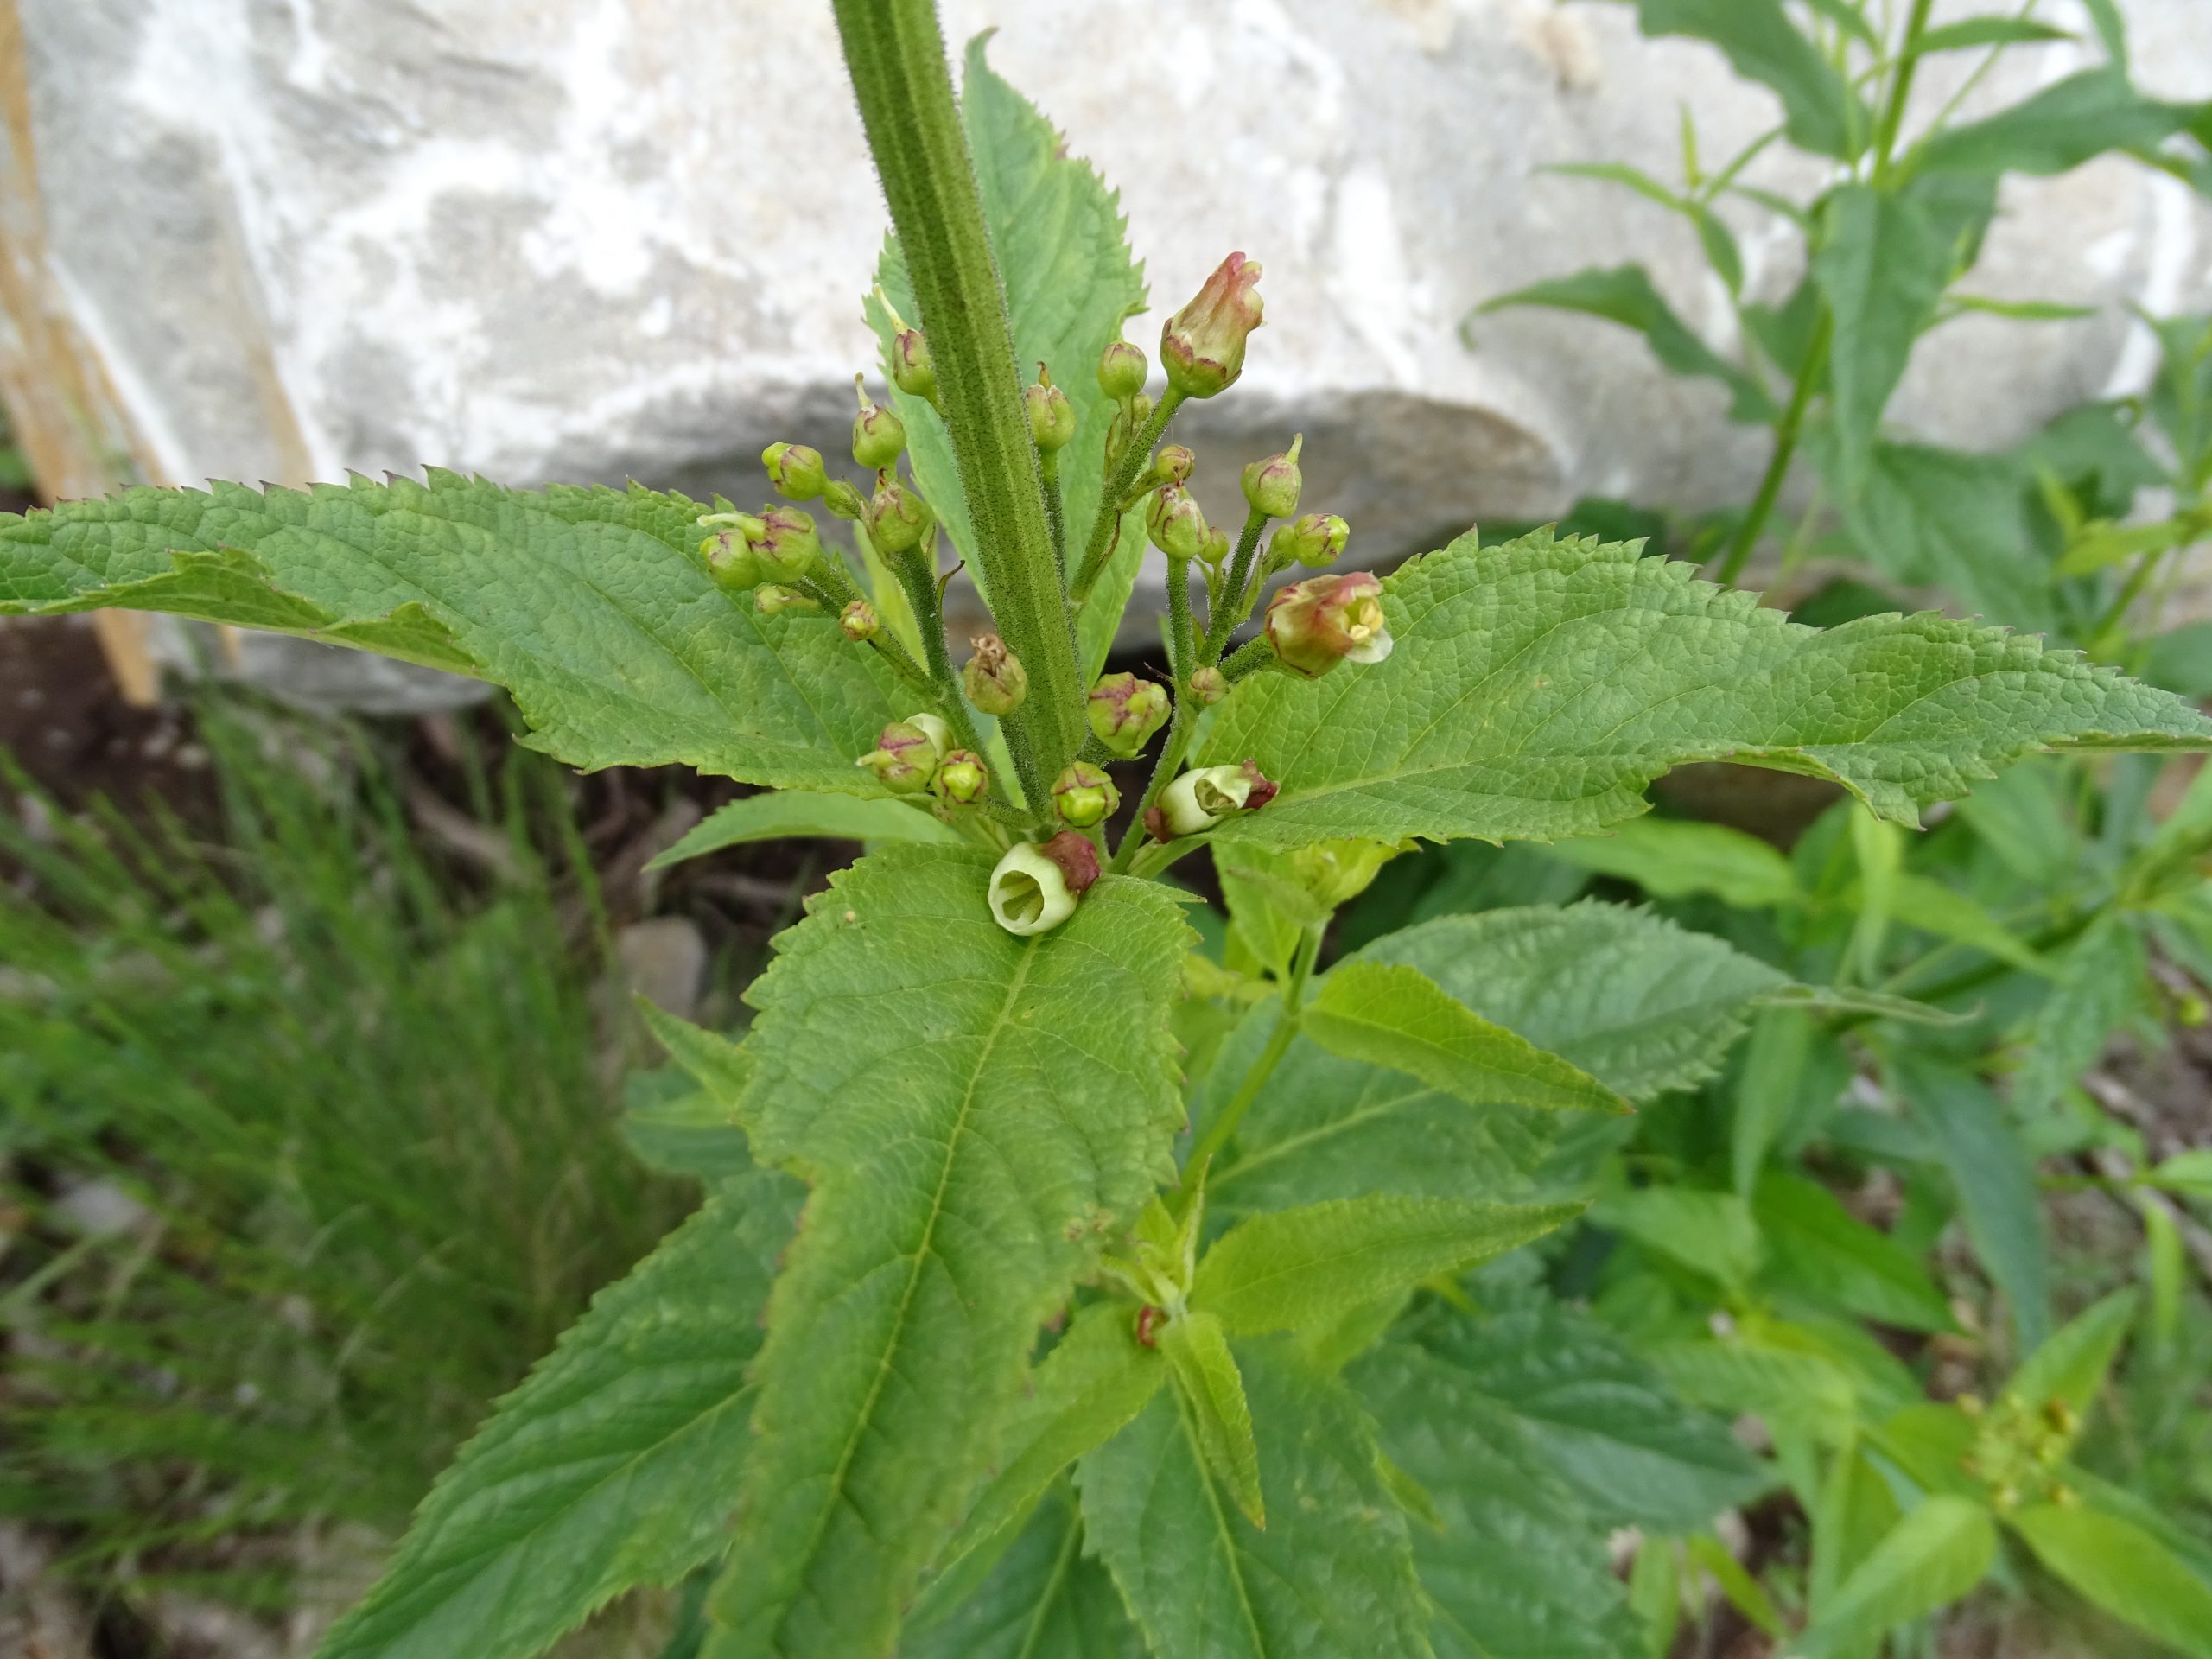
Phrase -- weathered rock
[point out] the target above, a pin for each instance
(542, 239)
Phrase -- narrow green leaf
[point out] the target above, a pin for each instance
(721, 1068)
(2189, 1172)
(2071, 1366)
(1970, 32)
(1883, 266)
(1933, 1556)
(1197, 1347)
(1293, 1269)
(1949, 913)
(1777, 1383)
(1675, 858)
(2100, 985)
(1537, 688)
(2123, 1570)
(1710, 1233)
(975, 1111)
(2061, 127)
(1819, 112)
(2020, 310)
(589, 606)
(1046, 1599)
(797, 812)
(1331, 1578)
(611, 1466)
(1624, 295)
(1391, 1014)
(1745, 1594)
(1816, 1247)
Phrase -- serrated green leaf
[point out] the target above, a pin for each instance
(1778, 1383)
(2101, 984)
(1883, 266)
(1817, 1248)
(588, 605)
(1518, 1569)
(1537, 688)
(1046, 1599)
(1388, 1013)
(1710, 1233)
(2124, 1570)
(1819, 112)
(1295, 1269)
(975, 1111)
(2058, 129)
(1097, 1379)
(1624, 295)
(799, 812)
(1331, 1578)
(1220, 1419)
(1603, 1419)
(1070, 282)
(674, 1125)
(611, 1466)
(1930, 1559)
(1638, 1002)
(1673, 858)
(2072, 1364)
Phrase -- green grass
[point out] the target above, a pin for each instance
(365, 1105)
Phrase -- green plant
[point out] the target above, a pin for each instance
(310, 1153)
(1038, 1374)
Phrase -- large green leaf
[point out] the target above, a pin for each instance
(1819, 112)
(614, 1464)
(1930, 1559)
(1518, 1569)
(1676, 858)
(2058, 129)
(1070, 282)
(1537, 688)
(1046, 1599)
(1883, 266)
(974, 1111)
(2101, 986)
(1818, 1249)
(1331, 1578)
(1603, 1419)
(1629, 998)
(2124, 1570)
(588, 605)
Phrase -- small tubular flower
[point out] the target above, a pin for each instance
(879, 436)
(898, 519)
(912, 372)
(1121, 370)
(787, 543)
(1035, 886)
(1200, 799)
(1316, 623)
(905, 755)
(860, 622)
(1202, 346)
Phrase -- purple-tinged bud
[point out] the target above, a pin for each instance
(1216, 547)
(962, 778)
(1312, 539)
(786, 543)
(912, 370)
(939, 734)
(1121, 370)
(795, 470)
(1316, 623)
(1198, 800)
(1175, 522)
(860, 622)
(1052, 416)
(1035, 888)
(772, 598)
(843, 501)
(898, 519)
(1271, 486)
(1260, 788)
(879, 436)
(994, 679)
(730, 564)
(1202, 345)
(904, 757)
(1209, 685)
(1084, 795)
(1125, 711)
(1173, 464)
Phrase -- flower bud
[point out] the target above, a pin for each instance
(1175, 522)
(772, 598)
(1121, 370)
(898, 519)
(905, 757)
(1125, 711)
(730, 564)
(962, 778)
(879, 436)
(939, 734)
(994, 679)
(1084, 795)
(1337, 872)
(912, 370)
(843, 501)
(1314, 540)
(1202, 345)
(1035, 888)
(1314, 624)
(860, 622)
(795, 470)
(1216, 547)
(1052, 416)
(1271, 486)
(1209, 685)
(1198, 800)
(786, 543)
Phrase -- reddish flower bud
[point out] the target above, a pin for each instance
(730, 564)
(1314, 540)
(786, 543)
(1271, 486)
(795, 470)
(1173, 464)
(912, 370)
(1209, 685)
(1084, 795)
(1259, 788)
(906, 755)
(898, 519)
(860, 622)
(1121, 370)
(1316, 623)
(1175, 522)
(1202, 345)
(962, 778)
(1125, 711)
(1077, 857)
(994, 679)
(1155, 825)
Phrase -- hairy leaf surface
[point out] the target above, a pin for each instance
(588, 605)
(614, 1464)
(974, 1111)
(1537, 688)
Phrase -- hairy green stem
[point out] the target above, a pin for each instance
(1134, 461)
(1182, 631)
(1056, 512)
(1786, 434)
(1248, 658)
(1235, 606)
(895, 54)
(923, 592)
(1223, 1124)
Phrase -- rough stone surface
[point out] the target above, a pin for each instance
(584, 239)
